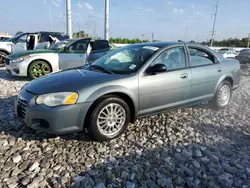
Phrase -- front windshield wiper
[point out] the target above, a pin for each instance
(101, 68)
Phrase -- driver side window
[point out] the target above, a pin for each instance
(22, 39)
(173, 58)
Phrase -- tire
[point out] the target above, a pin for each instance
(219, 102)
(2, 57)
(38, 69)
(97, 126)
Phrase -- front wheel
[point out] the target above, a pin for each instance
(109, 118)
(38, 69)
(223, 96)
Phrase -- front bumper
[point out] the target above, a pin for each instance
(18, 69)
(54, 120)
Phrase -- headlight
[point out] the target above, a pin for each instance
(20, 59)
(56, 99)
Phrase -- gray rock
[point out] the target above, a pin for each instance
(196, 164)
(101, 149)
(198, 153)
(131, 137)
(205, 160)
(124, 175)
(130, 184)
(226, 180)
(100, 185)
(229, 169)
(164, 182)
(24, 165)
(248, 171)
(17, 158)
(25, 181)
(179, 181)
(34, 166)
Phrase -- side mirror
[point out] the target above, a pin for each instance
(157, 68)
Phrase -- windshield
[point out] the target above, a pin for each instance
(14, 38)
(126, 60)
(58, 45)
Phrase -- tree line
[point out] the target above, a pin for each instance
(230, 42)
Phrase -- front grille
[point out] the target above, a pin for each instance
(21, 107)
(7, 61)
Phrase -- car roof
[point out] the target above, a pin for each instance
(166, 44)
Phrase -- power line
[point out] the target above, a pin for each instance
(215, 16)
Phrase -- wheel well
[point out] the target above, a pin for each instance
(230, 80)
(39, 60)
(7, 53)
(123, 96)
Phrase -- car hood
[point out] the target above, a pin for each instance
(4, 45)
(31, 52)
(69, 80)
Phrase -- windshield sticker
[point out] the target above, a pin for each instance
(132, 67)
(151, 48)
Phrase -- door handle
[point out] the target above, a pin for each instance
(219, 70)
(184, 76)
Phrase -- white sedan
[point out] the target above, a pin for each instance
(228, 54)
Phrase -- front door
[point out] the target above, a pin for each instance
(169, 89)
(205, 71)
(20, 44)
(74, 54)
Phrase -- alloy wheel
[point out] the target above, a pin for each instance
(111, 119)
(40, 69)
(224, 95)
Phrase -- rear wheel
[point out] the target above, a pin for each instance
(109, 118)
(223, 96)
(2, 58)
(38, 69)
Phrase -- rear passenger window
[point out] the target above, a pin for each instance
(199, 57)
(100, 45)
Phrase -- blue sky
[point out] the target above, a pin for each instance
(168, 19)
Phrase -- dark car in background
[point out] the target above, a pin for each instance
(244, 56)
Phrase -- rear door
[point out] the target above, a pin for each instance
(99, 48)
(74, 55)
(205, 70)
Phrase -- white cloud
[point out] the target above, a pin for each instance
(57, 3)
(149, 10)
(45, 2)
(169, 2)
(88, 6)
(80, 5)
(176, 10)
(144, 9)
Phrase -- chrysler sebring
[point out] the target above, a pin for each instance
(128, 83)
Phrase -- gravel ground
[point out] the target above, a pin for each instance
(192, 147)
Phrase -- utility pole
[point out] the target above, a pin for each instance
(68, 18)
(50, 24)
(153, 37)
(248, 40)
(106, 22)
(215, 16)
